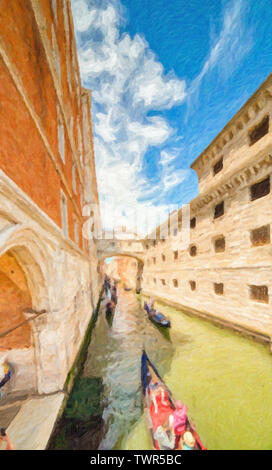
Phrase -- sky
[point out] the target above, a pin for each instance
(166, 76)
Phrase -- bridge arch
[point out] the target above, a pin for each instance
(140, 265)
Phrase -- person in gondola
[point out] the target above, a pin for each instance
(146, 308)
(179, 420)
(165, 437)
(109, 309)
(188, 441)
(114, 295)
(158, 397)
(5, 374)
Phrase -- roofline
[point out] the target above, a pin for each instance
(240, 111)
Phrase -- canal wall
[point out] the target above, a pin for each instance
(224, 271)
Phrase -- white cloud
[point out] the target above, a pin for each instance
(127, 81)
(230, 47)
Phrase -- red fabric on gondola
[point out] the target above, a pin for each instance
(164, 411)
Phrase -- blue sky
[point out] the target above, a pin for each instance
(166, 77)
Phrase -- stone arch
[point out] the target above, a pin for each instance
(140, 265)
(26, 247)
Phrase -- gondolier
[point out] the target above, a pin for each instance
(5, 374)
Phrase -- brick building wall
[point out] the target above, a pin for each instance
(47, 175)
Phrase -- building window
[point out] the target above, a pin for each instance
(61, 135)
(163, 282)
(193, 250)
(175, 232)
(259, 293)
(192, 285)
(155, 280)
(154, 243)
(64, 214)
(163, 257)
(74, 181)
(175, 254)
(154, 260)
(260, 189)
(260, 236)
(259, 131)
(219, 210)
(193, 222)
(218, 166)
(219, 288)
(219, 244)
(54, 9)
(175, 282)
(76, 237)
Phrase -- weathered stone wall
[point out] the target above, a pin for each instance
(189, 280)
(47, 177)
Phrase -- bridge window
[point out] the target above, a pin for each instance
(218, 166)
(219, 244)
(260, 189)
(219, 210)
(260, 236)
(175, 254)
(193, 222)
(219, 288)
(259, 131)
(192, 285)
(193, 250)
(259, 293)
(175, 282)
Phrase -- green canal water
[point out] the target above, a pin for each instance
(224, 378)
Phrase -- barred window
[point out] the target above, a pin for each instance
(219, 288)
(219, 244)
(259, 293)
(193, 250)
(219, 210)
(218, 166)
(260, 236)
(192, 285)
(260, 189)
(259, 131)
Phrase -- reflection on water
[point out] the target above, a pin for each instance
(226, 381)
(115, 355)
(224, 378)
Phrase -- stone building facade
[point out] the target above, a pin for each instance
(47, 176)
(225, 271)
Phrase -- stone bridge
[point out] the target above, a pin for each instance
(107, 248)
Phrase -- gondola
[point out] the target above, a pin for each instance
(158, 318)
(110, 313)
(150, 375)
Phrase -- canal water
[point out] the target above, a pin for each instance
(224, 378)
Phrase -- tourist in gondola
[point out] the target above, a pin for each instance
(5, 374)
(114, 297)
(188, 441)
(165, 437)
(178, 420)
